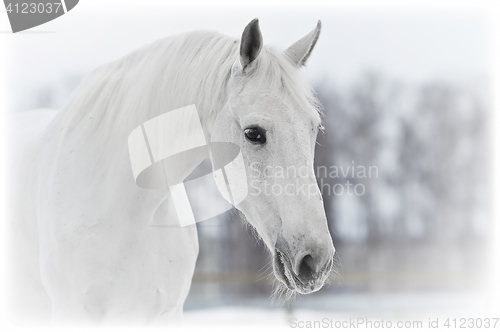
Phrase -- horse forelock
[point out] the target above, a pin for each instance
(276, 74)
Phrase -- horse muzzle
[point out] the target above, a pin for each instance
(307, 278)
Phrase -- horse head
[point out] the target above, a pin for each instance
(272, 115)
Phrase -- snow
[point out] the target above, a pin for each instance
(341, 307)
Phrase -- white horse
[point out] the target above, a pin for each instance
(82, 249)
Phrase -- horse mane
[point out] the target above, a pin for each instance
(191, 68)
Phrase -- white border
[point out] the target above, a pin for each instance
(490, 8)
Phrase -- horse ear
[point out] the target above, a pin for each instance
(300, 51)
(251, 43)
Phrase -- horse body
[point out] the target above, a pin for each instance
(82, 243)
(88, 243)
(99, 258)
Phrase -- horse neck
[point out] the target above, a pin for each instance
(115, 99)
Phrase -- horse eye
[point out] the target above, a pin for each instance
(256, 135)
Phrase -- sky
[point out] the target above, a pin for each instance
(408, 44)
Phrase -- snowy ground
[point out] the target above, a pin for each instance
(342, 307)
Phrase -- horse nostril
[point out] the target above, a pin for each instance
(307, 268)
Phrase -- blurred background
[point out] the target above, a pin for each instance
(407, 90)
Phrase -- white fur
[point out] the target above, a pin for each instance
(83, 250)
